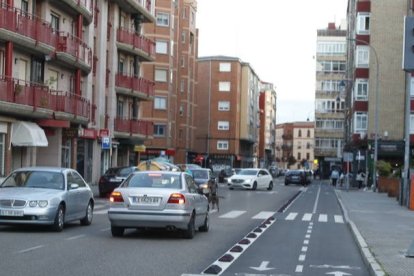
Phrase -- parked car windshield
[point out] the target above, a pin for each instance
(200, 174)
(35, 179)
(153, 180)
(248, 172)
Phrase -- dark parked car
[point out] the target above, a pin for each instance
(298, 177)
(113, 177)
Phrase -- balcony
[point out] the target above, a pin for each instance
(72, 50)
(27, 30)
(144, 7)
(83, 7)
(18, 97)
(128, 128)
(135, 44)
(135, 87)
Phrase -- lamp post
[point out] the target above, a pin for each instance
(374, 171)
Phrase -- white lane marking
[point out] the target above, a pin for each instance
(323, 218)
(101, 212)
(105, 229)
(30, 249)
(291, 216)
(304, 248)
(315, 206)
(263, 215)
(309, 231)
(299, 269)
(302, 257)
(307, 217)
(338, 219)
(307, 236)
(232, 214)
(75, 237)
(306, 242)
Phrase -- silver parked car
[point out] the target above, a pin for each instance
(159, 199)
(45, 196)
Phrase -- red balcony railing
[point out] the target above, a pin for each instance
(136, 40)
(74, 46)
(40, 96)
(133, 126)
(26, 24)
(140, 85)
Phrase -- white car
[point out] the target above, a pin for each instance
(251, 179)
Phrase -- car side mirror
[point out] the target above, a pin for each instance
(74, 186)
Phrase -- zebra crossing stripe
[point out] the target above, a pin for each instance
(263, 215)
(291, 216)
(323, 218)
(307, 217)
(339, 219)
(232, 214)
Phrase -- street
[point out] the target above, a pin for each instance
(308, 236)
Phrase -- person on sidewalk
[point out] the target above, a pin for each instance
(334, 177)
(360, 178)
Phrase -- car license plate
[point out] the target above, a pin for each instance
(147, 200)
(12, 213)
(206, 191)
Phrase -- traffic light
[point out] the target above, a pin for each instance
(408, 44)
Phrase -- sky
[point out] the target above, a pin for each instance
(277, 38)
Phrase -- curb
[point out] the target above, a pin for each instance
(374, 268)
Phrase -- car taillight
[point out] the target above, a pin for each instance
(176, 198)
(116, 197)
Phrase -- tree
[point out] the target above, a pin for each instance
(291, 160)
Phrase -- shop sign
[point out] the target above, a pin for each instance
(104, 133)
(106, 143)
(139, 148)
(70, 132)
(88, 133)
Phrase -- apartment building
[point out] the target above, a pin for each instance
(227, 114)
(375, 75)
(329, 98)
(284, 145)
(267, 134)
(72, 84)
(175, 70)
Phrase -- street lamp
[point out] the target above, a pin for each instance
(374, 176)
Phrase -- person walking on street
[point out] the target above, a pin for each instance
(334, 177)
(360, 178)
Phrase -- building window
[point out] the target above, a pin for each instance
(224, 105)
(182, 62)
(160, 103)
(54, 21)
(225, 67)
(362, 57)
(223, 125)
(300, 133)
(183, 36)
(224, 86)
(181, 110)
(163, 19)
(120, 108)
(161, 75)
(2, 157)
(411, 125)
(361, 121)
(307, 156)
(308, 134)
(361, 92)
(362, 23)
(182, 85)
(25, 6)
(222, 145)
(299, 156)
(159, 130)
(161, 47)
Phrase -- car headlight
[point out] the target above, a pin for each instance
(42, 203)
(33, 203)
(204, 186)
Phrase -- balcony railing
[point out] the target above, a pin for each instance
(74, 46)
(140, 85)
(40, 96)
(136, 40)
(133, 126)
(17, 21)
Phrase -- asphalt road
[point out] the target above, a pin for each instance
(91, 250)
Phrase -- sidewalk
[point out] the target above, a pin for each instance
(383, 230)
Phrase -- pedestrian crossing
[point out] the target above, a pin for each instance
(292, 216)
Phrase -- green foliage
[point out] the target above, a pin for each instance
(384, 168)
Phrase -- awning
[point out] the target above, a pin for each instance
(27, 134)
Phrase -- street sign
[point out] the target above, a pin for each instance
(348, 157)
(106, 143)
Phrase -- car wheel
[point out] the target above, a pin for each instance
(59, 219)
(190, 231)
(286, 183)
(270, 187)
(87, 220)
(231, 188)
(254, 186)
(206, 226)
(117, 231)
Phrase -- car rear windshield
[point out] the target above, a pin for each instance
(294, 172)
(248, 172)
(200, 174)
(35, 179)
(153, 180)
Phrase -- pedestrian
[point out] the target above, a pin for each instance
(334, 177)
(214, 198)
(360, 178)
(341, 179)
